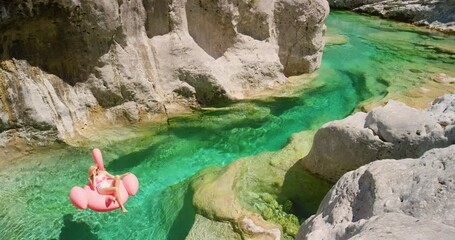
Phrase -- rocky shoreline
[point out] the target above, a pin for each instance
(436, 14)
(409, 195)
(392, 194)
(245, 199)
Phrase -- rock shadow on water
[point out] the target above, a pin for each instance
(133, 159)
(185, 217)
(218, 121)
(362, 89)
(304, 190)
(278, 105)
(76, 230)
(173, 215)
(192, 132)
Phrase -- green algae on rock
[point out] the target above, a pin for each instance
(204, 229)
(252, 185)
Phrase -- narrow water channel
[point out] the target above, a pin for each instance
(368, 59)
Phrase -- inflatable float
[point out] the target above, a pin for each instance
(89, 196)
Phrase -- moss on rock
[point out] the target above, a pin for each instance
(261, 189)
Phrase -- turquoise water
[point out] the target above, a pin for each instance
(378, 57)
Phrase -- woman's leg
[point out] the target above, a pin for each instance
(117, 192)
(115, 189)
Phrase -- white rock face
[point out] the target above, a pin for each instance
(390, 199)
(63, 61)
(393, 131)
(42, 102)
(438, 14)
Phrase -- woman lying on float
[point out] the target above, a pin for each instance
(104, 192)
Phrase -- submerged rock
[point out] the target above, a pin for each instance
(69, 65)
(216, 203)
(437, 14)
(405, 199)
(393, 131)
(443, 78)
(204, 229)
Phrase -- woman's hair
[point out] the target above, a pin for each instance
(91, 169)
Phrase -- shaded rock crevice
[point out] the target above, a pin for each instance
(64, 40)
(158, 21)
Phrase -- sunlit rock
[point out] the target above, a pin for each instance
(393, 131)
(390, 199)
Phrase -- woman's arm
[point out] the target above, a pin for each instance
(112, 176)
(92, 180)
(108, 174)
(121, 176)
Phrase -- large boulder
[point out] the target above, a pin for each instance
(390, 199)
(68, 65)
(393, 131)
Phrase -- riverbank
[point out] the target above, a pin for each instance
(436, 15)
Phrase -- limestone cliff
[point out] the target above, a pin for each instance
(437, 14)
(70, 65)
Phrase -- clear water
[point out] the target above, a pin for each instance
(379, 57)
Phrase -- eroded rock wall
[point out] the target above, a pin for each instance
(68, 65)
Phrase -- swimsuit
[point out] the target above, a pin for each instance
(102, 181)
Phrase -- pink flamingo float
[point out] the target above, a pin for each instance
(89, 196)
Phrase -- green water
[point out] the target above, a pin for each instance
(378, 57)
